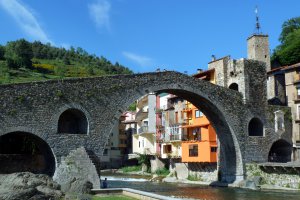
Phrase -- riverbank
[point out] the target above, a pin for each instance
(197, 191)
(257, 180)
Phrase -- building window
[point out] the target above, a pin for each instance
(234, 86)
(198, 114)
(298, 93)
(176, 117)
(197, 134)
(255, 127)
(213, 149)
(105, 152)
(193, 150)
(167, 149)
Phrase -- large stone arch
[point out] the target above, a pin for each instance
(231, 164)
(23, 151)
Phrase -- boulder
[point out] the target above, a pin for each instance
(26, 185)
(76, 173)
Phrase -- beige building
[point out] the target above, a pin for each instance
(144, 141)
(286, 86)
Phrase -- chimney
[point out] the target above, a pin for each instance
(213, 57)
(199, 70)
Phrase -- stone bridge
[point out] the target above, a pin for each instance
(43, 110)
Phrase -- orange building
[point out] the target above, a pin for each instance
(199, 137)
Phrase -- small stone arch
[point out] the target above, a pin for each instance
(234, 86)
(72, 121)
(280, 151)
(22, 151)
(255, 127)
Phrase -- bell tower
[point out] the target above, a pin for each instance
(258, 45)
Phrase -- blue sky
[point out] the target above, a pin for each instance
(145, 35)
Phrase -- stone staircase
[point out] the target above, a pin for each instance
(95, 160)
(77, 164)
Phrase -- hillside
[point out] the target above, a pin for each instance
(22, 61)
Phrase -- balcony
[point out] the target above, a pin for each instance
(160, 127)
(141, 114)
(144, 130)
(158, 110)
(142, 102)
(176, 137)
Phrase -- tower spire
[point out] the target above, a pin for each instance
(257, 25)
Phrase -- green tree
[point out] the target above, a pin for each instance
(18, 54)
(288, 52)
(2, 52)
(288, 27)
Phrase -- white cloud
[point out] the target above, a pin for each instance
(99, 12)
(25, 19)
(143, 61)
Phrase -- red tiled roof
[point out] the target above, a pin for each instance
(203, 73)
(284, 68)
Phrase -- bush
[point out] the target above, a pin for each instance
(131, 168)
(162, 172)
(194, 178)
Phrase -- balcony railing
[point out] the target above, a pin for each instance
(176, 137)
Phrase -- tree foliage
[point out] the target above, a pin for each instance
(28, 61)
(288, 52)
(2, 52)
(288, 27)
(18, 54)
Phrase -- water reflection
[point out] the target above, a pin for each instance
(187, 191)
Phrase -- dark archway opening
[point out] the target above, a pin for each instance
(281, 151)
(73, 121)
(20, 152)
(227, 165)
(234, 86)
(255, 127)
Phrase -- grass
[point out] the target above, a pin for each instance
(194, 178)
(113, 197)
(131, 169)
(46, 70)
(162, 172)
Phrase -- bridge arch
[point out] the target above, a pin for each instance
(230, 161)
(23, 151)
(72, 121)
(74, 113)
(280, 151)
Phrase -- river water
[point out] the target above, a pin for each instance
(191, 191)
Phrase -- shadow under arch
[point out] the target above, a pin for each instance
(280, 151)
(230, 164)
(23, 151)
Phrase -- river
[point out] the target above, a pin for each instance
(191, 191)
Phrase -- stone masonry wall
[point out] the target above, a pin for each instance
(35, 108)
(274, 179)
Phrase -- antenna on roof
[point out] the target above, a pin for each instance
(257, 25)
